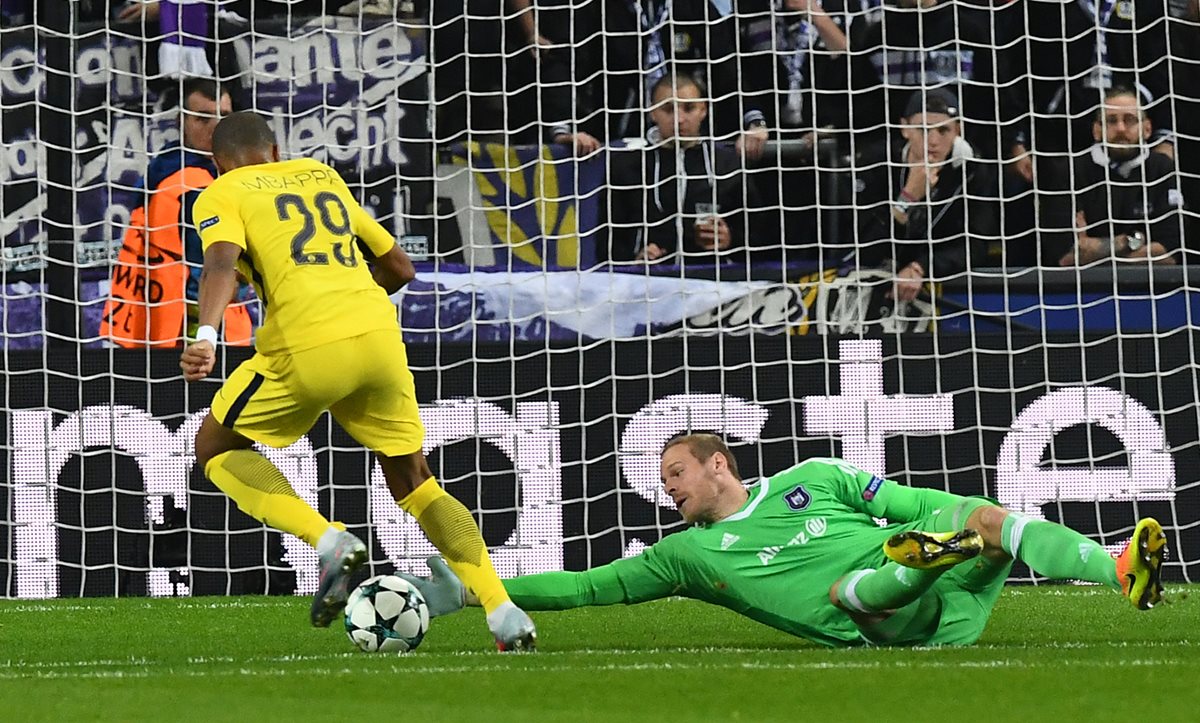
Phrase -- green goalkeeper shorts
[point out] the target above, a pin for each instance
(965, 595)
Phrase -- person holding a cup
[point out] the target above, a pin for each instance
(682, 198)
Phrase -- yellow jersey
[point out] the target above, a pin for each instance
(297, 225)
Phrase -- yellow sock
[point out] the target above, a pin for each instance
(262, 492)
(450, 527)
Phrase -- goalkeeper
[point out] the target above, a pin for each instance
(800, 552)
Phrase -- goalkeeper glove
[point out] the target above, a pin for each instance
(444, 593)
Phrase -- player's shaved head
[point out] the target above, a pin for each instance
(243, 139)
(702, 446)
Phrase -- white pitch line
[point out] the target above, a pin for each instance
(142, 662)
(181, 603)
(1082, 589)
(12, 607)
(614, 667)
(104, 605)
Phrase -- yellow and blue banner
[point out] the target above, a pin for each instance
(542, 204)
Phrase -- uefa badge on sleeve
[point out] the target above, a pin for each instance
(872, 488)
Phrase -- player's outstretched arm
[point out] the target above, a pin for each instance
(218, 285)
(648, 576)
(565, 590)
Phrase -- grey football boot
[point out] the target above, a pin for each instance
(338, 562)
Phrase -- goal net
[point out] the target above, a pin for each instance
(944, 240)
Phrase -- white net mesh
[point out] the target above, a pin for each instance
(947, 240)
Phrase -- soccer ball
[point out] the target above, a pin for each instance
(386, 614)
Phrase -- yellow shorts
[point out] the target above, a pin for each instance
(363, 381)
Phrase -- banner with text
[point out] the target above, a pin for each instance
(349, 94)
(555, 449)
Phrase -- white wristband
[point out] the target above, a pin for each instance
(207, 333)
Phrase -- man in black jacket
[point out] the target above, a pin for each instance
(1081, 49)
(643, 40)
(967, 44)
(683, 196)
(1120, 198)
(929, 207)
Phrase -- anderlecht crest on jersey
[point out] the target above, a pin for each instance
(798, 498)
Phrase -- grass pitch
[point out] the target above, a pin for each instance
(1050, 653)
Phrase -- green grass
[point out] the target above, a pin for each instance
(1050, 653)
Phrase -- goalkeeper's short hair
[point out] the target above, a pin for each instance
(703, 445)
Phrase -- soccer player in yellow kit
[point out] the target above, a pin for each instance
(331, 341)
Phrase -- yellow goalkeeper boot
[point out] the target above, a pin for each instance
(1139, 564)
(929, 550)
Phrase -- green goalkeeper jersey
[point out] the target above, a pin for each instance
(774, 560)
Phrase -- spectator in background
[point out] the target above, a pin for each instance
(15, 12)
(1078, 50)
(930, 206)
(562, 108)
(1185, 98)
(1075, 51)
(187, 36)
(963, 45)
(184, 32)
(156, 279)
(795, 69)
(1104, 43)
(684, 197)
(642, 40)
(496, 73)
(791, 50)
(1120, 199)
(138, 10)
(135, 10)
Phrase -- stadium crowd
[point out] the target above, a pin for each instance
(965, 133)
(924, 136)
